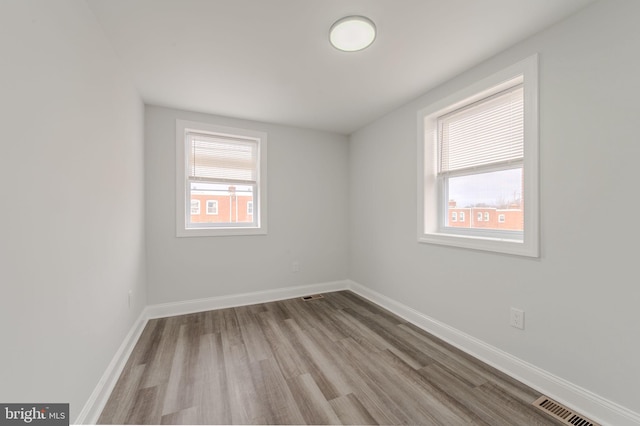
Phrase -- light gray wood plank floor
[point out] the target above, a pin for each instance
(336, 360)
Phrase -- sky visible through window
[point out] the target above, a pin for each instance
(493, 189)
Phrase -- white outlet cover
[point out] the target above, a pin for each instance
(517, 318)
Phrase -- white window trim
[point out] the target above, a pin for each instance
(182, 126)
(501, 218)
(428, 228)
(215, 203)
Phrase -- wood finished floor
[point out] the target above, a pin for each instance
(336, 360)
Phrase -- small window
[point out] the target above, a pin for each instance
(227, 168)
(478, 148)
(195, 207)
(212, 207)
(461, 216)
(249, 208)
(501, 218)
(454, 216)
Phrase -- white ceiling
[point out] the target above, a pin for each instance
(270, 60)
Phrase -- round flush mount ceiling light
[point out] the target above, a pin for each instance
(352, 33)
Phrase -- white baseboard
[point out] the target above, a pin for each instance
(211, 303)
(583, 401)
(98, 399)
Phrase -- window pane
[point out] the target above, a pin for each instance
(226, 204)
(491, 200)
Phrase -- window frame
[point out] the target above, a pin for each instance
(260, 196)
(430, 198)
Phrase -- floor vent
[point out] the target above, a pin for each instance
(312, 297)
(562, 413)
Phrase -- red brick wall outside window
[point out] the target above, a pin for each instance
(231, 209)
(469, 217)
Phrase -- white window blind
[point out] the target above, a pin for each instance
(222, 158)
(487, 132)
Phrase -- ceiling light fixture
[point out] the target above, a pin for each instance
(352, 33)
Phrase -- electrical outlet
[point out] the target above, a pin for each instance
(130, 297)
(517, 318)
(295, 266)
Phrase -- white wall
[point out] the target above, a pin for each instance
(72, 241)
(581, 297)
(307, 205)
(71, 180)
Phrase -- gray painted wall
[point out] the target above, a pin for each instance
(71, 179)
(581, 297)
(307, 216)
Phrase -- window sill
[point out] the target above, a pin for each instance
(226, 232)
(496, 245)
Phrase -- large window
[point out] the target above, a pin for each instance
(478, 153)
(225, 170)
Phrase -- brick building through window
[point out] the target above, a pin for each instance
(222, 206)
(511, 217)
